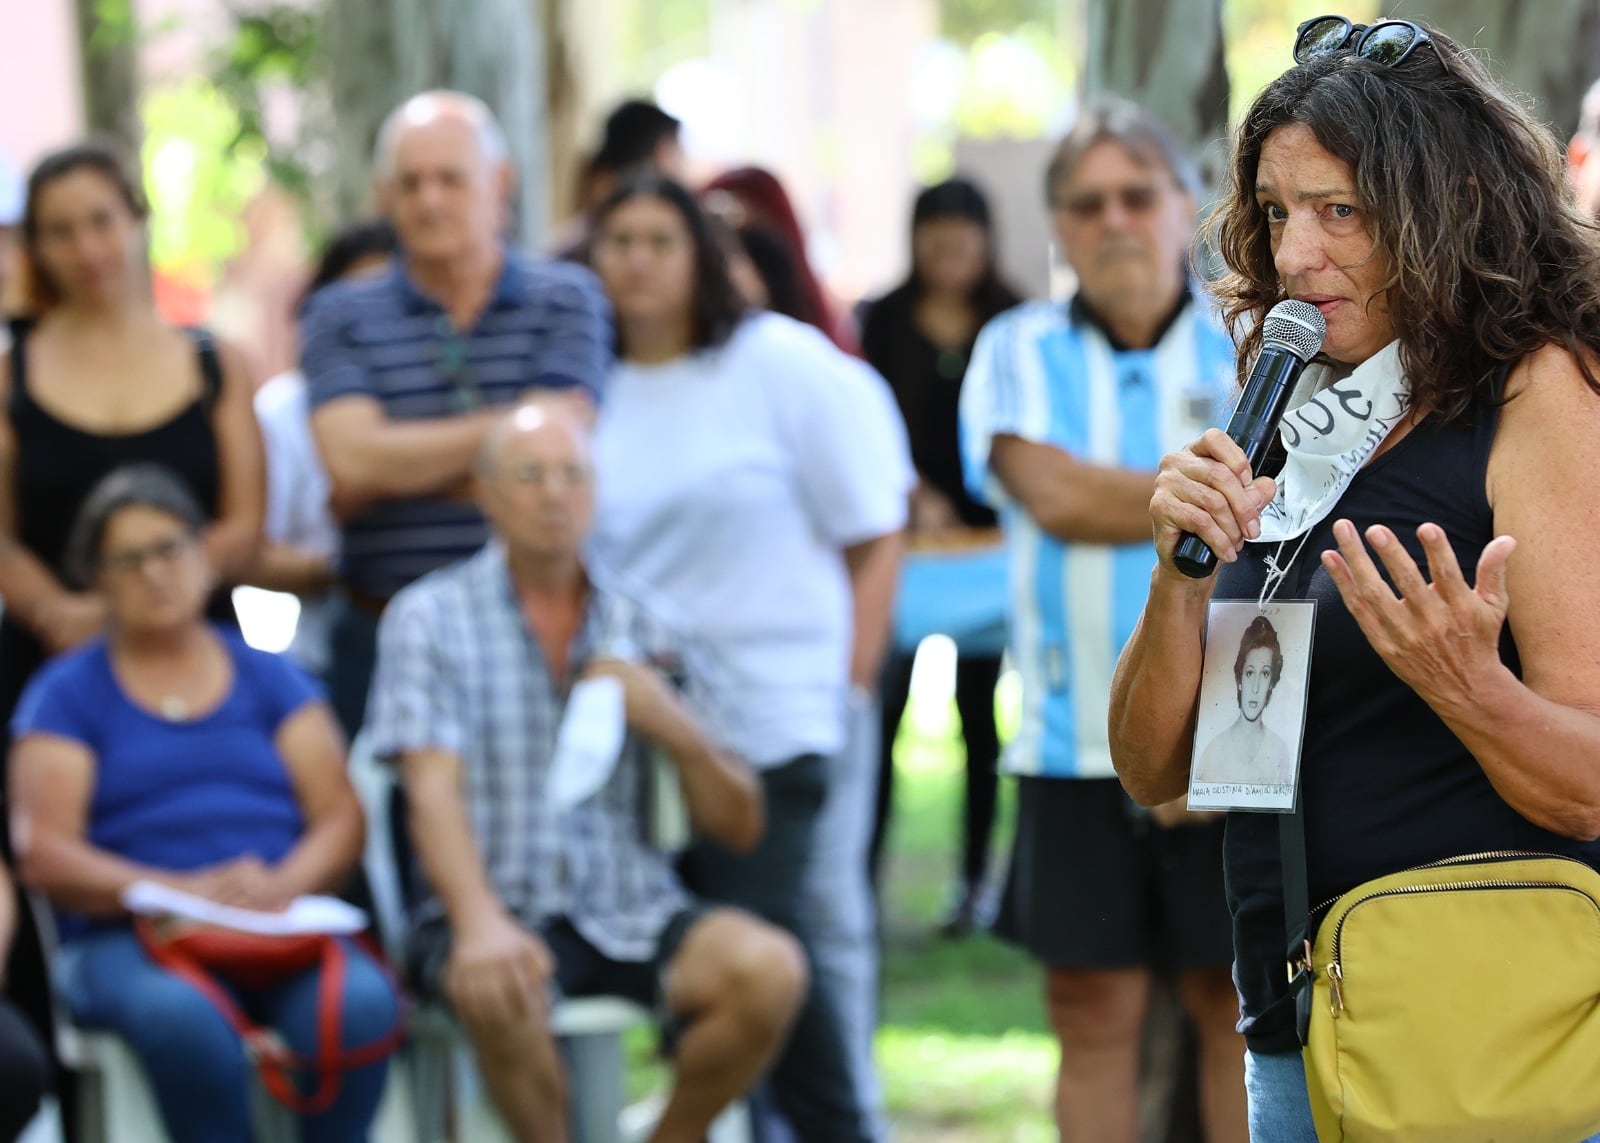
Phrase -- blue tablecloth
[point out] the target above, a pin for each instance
(961, 594)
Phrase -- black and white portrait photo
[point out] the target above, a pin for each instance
(1252, 706)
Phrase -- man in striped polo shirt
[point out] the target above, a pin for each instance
(1065, 413)
(408, 370)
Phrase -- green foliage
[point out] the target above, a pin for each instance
(966, 21)
(1260, 37)
(1016, 84)
(275, 45)
(1013, 74)
(200, 175)
(211, 143)
(113, 24)
(651, 35)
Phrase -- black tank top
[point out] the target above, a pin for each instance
(1384, 782)
(56, 466)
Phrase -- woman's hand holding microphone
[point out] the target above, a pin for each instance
(1207, 488)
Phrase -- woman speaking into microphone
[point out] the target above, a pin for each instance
(1437, 500)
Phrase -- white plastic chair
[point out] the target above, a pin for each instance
(115, 1103)
(44, 1127)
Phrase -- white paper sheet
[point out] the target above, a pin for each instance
(305, 915)
(589, 742)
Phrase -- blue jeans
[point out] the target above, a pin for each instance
(837, 914)
(1275, 1088)
(195, 1061)
(1280, 1109)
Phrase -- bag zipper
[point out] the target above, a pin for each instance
(1467, 859)
(1335, 966)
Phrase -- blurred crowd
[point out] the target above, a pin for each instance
(653, 503)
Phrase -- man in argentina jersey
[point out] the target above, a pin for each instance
(1065, 414)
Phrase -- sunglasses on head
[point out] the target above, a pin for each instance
(1387, 42)
(1090, 205)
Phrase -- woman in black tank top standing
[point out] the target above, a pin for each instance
(96, 380)
(1453, 695)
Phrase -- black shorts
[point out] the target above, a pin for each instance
(581, 969)
(1094, 884)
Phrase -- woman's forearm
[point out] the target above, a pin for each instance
(8, 918)
(1156, 688)
(1541, 756)
(284, 567)
(232, 548)
(874, 576)
(326, 853)
(26, 584)
(81, 877)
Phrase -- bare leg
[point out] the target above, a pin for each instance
(1098, 1016)
(1213, 1006)
(522, 1069)
(736, 984)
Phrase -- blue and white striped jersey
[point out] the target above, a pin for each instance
(1044, 373)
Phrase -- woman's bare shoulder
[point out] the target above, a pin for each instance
(1552, 378)
(1550, 420)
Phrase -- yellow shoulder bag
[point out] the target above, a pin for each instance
(1457, 1002)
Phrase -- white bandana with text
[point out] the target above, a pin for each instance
(1330, 436)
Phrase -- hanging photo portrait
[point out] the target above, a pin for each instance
(1252, 706)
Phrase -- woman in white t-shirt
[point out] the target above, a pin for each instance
(756, 478)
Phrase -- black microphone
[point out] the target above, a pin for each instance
(1291, 336)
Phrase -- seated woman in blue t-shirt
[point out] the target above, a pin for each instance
(170, 751)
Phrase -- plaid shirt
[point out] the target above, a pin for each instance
(459, 671)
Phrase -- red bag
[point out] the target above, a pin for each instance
(201, 954)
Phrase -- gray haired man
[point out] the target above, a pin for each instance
(406, 370)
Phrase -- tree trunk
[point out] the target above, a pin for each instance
(564, 103)
(1166, 56)
(107, 44)
(383, 51)
(1547, 50)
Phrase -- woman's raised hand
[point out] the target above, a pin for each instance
(1438, 633)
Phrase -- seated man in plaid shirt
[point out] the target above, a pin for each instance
(528, 899)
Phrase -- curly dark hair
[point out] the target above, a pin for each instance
(1260, 634)
(1489, 257)
(717, 306)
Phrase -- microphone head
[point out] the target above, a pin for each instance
(1298, 327)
